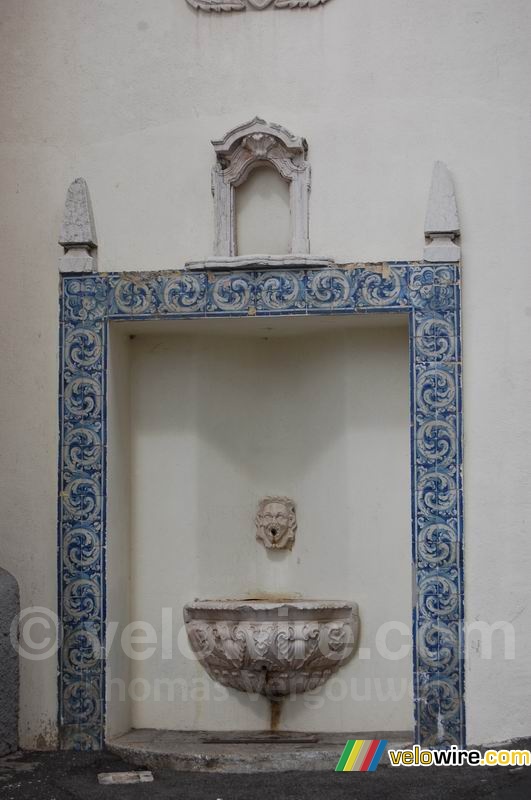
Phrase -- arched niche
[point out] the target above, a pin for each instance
(241, 151)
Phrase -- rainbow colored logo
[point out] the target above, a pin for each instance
(361, 755)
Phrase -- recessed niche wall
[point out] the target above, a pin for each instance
(220, 413)
(263, 217)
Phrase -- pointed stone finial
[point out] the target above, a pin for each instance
(78, 232)
(442, 219)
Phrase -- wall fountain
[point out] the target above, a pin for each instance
(272, 647)
(255, 387)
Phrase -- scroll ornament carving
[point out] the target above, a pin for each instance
(259, 5)
(275, 661)
(272, 649)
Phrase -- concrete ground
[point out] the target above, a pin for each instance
(73, 776)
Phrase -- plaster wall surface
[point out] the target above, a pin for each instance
(129, 94)
(263, 214)
(220, 421)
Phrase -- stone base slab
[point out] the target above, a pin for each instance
(241, 751)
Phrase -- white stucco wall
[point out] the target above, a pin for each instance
(128, 94)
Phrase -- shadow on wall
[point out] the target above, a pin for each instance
(236, 418)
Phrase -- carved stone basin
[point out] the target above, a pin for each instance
(275, 648)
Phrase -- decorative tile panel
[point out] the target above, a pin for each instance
(81, 508)
(428, 293)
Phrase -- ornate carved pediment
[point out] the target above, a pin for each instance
(259, 5)
(240, 151)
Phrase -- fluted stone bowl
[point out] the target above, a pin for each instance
(272, 648)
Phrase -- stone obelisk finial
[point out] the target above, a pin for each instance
(442, 219)
(78, 232)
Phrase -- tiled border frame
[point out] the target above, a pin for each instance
(428, 293)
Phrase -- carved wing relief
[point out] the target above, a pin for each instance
(259, 5)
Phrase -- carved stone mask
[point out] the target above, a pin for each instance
(276, 523)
